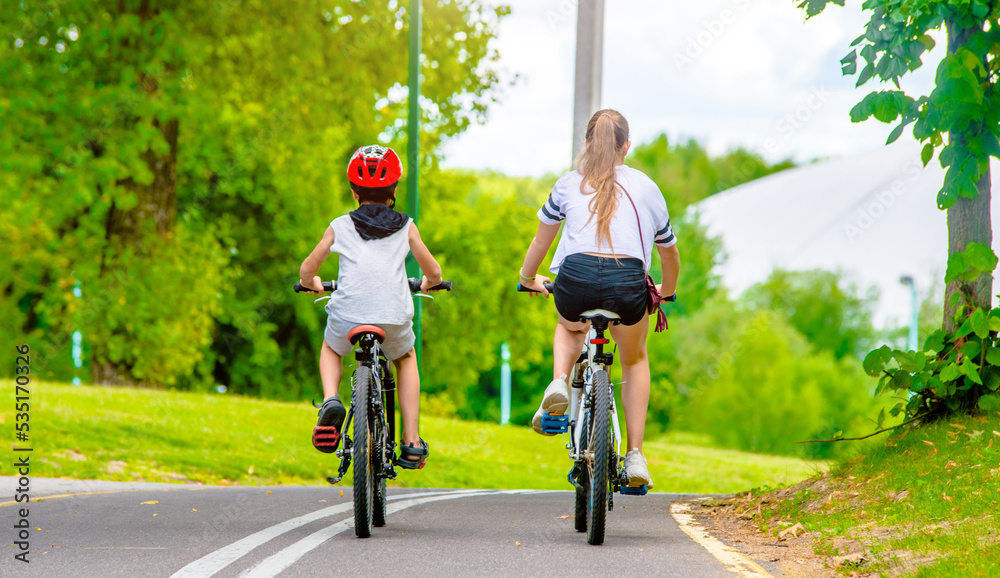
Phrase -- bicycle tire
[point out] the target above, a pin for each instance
(598, 445)
(362, 448)
(583, 479)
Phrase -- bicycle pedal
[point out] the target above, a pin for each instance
(555, 423)
(332, 480)
(326, 438)
(634, 490)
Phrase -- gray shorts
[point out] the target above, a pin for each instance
(399, 339)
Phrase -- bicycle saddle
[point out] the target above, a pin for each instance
(596, 313)
(358, 332)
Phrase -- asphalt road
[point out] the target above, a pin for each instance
(293, 531)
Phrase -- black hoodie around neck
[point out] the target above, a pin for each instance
(377, 221)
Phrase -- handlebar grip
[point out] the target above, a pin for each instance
(328, 286)
(523, 289)
(415, 285)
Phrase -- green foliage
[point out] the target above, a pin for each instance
(763, 389)
(955, 371)
(687, 174)
(831, 314)
(964, 102)
(136, 133)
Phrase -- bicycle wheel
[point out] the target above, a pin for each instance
(597, 504)
(583, 479)
(362, 448)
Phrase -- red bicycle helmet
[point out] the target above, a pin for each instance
(374, 166)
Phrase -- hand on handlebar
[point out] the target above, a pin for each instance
(313, 286)
(426, 285)
(537, 284)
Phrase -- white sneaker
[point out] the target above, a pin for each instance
(556, 400)
(636, 470)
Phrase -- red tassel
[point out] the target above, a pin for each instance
(661, 320)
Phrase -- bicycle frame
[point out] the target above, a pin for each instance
(380, 396)
(582, 373)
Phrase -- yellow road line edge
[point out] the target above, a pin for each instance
(733, 559)
(54, 496)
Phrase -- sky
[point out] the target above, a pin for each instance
(728, 73)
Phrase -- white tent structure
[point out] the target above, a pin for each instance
(873, 216)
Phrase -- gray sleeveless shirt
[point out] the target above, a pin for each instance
(371, 284)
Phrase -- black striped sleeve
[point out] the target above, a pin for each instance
(665, 236)
(550, 213)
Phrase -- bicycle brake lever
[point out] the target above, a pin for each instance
(431, 297)
(322, 298)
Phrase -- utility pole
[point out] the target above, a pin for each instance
(412, 160)
(589, 63)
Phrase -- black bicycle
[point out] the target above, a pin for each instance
(595, 436)
(373, 414)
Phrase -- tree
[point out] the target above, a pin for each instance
(830, 313)
(174, 160)
(687, 174)
(964, 107)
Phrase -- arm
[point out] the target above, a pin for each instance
(533, 258)
(310, 267)
(670, 261)
(429, 265)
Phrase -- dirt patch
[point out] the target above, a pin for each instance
(792, 557)
(785, 548)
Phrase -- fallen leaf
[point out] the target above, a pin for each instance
(947, 497)
(154, 515)
(996, 433)
(928, 442)
(517, 543)
(38, 529)
(341, 493)
(268, 492)
(951, 464)
(564, 517)
(975, 434)
(959, 426)
(193, 510)
(792, 531)
(150, 502)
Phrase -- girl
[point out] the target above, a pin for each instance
(614, 216)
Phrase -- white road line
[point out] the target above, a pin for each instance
(733, 559)
(279, 562)
(212, 563)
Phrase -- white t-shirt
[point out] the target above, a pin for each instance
(566, 202)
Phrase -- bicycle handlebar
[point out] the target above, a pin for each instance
(413, 282)
(523, 289)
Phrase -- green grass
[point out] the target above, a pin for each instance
(947, 520)
(134, 434)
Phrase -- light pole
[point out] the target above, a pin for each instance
(412, 160)
(589, 64)
(911, 342)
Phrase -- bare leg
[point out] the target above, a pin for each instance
(330, 371)
(566, 345)
(408, 385)
(631, 342)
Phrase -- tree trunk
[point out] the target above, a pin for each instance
(968, 220)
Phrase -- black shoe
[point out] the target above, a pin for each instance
(332, 413)
(326, 434)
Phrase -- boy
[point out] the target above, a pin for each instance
(372, 242)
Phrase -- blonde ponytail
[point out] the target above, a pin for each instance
(607, 134)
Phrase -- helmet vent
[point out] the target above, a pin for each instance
(382, 176)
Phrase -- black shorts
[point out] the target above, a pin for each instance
(589, 282)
